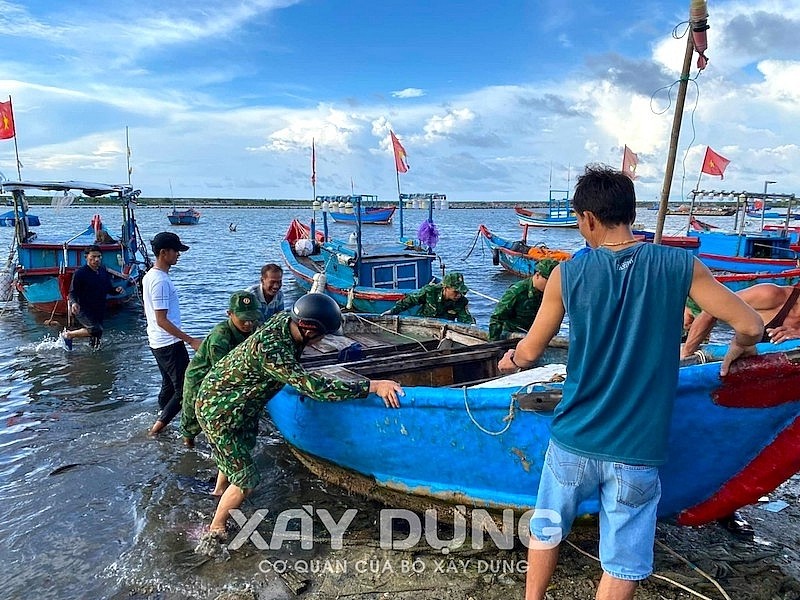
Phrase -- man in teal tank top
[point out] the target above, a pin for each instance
(609, 432)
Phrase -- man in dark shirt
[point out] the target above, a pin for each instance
(91, 283)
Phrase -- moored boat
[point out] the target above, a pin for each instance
(342, 209)
(743, 251)
(459, 439)
(367, 278)
(188, 216)
(518, 257)
(47, 260)
(558, 213)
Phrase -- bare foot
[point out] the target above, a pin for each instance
(188, 442)
(157, 427)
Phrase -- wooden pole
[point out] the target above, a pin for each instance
(673, 143)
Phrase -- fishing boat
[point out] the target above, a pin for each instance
(188, 216)
(517, 257)
(766, 251)
(47, 260)
(9, 219)
(558, 213)
(463, 437)
(368, 278)
(342, 209)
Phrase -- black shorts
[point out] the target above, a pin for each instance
(94, 325)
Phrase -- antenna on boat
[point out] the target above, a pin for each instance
(128, 154)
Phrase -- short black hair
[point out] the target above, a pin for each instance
(607, 193)
(271, 268)
(92, 248)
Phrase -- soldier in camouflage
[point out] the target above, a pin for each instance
(243, 316)
(444, 300)
(518, 307)
(233, 395)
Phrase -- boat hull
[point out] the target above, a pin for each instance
(482, 448)
(369, 216)
(505, 254)
(189, 216)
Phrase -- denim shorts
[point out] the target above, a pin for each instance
(629, 496)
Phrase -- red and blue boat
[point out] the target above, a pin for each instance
(462, 437)
(188, 216)
(46, 260)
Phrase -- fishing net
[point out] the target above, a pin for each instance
(59, 201)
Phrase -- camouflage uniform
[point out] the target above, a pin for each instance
(232, 396)
(432, 304)
(221, 340)
(516, 309)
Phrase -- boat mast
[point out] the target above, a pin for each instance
(673, 143)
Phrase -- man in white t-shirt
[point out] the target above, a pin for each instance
(164, 334)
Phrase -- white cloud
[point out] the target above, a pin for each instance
(409, 93)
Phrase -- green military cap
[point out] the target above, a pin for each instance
(455, 281)
(245, 306)
(545, 266)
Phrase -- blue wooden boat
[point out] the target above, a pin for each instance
(559, 213)
(342, 209)
(368, 278)
(517, 257)
(46, 260)
(9, 219)
(483, 447)
(743, 252)
(189, 216)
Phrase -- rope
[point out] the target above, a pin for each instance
(667, 579)
(700, 571)
(508, 418)
(471, 291)
(392, 331)
(472, 247)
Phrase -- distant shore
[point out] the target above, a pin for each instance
(306, 204)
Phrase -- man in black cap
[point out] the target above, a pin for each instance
(164, 334)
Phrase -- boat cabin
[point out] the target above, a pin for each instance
(392, 266)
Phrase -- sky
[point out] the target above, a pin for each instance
(492, 101)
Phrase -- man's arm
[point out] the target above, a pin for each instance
(699, 330)
(501, 314)
(168, 326)
(721, 303)
(463, 315)
(545, 326)
(408, 301)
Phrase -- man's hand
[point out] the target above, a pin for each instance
(506, 365)
(735, 351)
(195, 343)
(782, 333)
(388, 390)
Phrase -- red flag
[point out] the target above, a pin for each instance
(313, 163)
(713, 163)
(629, 162)
(400, 156)
(6, 121)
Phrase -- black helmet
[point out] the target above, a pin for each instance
(318, 311)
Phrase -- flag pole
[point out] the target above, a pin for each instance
(673, 143)
(400, 200)
(16, 148)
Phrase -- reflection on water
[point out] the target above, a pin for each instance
(92, 506)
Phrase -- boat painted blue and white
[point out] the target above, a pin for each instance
(47, 259)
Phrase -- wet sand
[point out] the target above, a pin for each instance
(764, 568)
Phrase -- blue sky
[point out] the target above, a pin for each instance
(491, 101)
